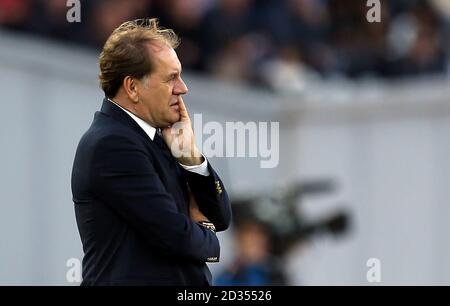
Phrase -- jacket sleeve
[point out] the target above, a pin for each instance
(211, 197)
(126, 180)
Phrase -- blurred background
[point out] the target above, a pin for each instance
(364, 143)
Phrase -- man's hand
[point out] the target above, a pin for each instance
(194, 212)
(180, 139)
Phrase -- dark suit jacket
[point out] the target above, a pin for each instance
(131, 207)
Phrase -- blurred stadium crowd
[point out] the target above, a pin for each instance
(272, 43)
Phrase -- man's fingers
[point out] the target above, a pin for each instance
(183, 111)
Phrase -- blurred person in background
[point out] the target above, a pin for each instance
(14, 14)
(254, 264)
(103, 16)
(415, 41)
(146, 214)
(186, 19)
(237, 39)
(270, 225)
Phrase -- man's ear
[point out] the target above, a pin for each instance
(129, 84)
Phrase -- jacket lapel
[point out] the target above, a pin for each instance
(118, 114)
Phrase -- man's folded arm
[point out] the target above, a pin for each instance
(211, 197)
(129, 184)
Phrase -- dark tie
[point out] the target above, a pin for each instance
(158, 140)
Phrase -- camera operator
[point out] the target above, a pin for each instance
(254, 264)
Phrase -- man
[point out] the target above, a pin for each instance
(147, 202)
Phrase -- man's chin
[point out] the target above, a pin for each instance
(175, 118)
(172, 120)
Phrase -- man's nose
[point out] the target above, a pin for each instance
(181, 88)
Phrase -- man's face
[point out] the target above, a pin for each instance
(159, 93)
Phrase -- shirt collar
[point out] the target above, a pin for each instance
(148, 129)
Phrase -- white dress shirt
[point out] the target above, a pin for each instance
(201, 169)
